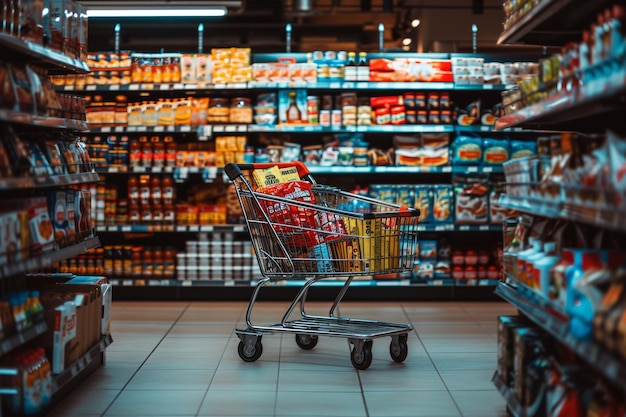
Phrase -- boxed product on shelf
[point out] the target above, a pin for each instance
(506, 346)
(471, 199)
(410, 70)
(467, 150)
(14, 236)
(530, 361)
(106, 295)
(443, 200)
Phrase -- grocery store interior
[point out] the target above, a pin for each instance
(312, 208)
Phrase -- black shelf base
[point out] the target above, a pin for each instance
(319, 293)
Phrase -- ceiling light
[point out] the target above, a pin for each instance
(156, 12)
(415, 23)
(406, 41)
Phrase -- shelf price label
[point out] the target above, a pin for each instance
(114, 87)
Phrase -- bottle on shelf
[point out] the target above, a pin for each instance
(293, 113)
(363, 68)
(351, 68)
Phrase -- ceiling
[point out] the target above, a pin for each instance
(317, 25)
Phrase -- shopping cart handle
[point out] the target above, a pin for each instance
(235, 170)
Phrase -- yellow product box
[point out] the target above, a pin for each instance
(182, 112)
(267, 176)
(222, 75)
(241, 74)
(221, 55)
(239, 57)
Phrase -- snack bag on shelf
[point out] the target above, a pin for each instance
(617, 166)
(471, 199)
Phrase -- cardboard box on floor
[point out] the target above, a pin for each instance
(44, 280)
(88, 301)
(107, 298)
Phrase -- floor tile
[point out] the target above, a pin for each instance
(246, 379)
(238, 403)
(480, 403)
(458, 361)
(83, 401)
(410, 404)
(175, 379)
(156, 403)
(336, 404)
(468, 379)
(180, 359)
(400, 379)
(318, 380)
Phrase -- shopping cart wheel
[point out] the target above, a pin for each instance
(306, 341)
(398, 347)
(361, 355)
(250, 348)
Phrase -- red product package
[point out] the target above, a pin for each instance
(295, 225)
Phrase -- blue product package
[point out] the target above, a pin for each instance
(423, 200)
(495, 151)
(404, 195)
(467, 150)
(523, 149)
(442, 204)
(428, 249)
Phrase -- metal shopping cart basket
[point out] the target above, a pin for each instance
(306, 231)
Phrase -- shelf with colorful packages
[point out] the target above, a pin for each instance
(563, 257)
(47, 183)
(421, 118)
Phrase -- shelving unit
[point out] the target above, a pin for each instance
(588, 109)
(187, 176)
(19, 51)
(552, 22)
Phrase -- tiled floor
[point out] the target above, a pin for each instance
(180, 359)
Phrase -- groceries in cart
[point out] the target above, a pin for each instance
(311, 221)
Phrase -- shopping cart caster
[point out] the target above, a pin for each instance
(361, 354)
(250, 348)
(306, 341)
(398, 347)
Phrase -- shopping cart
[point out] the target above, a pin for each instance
(311, 232)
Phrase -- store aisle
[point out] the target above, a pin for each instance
(180, 359)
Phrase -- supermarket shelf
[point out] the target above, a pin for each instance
(553, 22)
(9, 184)
(610, 365)
(207, 131)
(570, 111)
(48, 258)
(55, 62)
(15, 341)
(319, 170)
(221, 228)
(433, 282)
(459, 228)
(41, 121)
(145, 129)
(328, 85)
(240, 228)
(605, 217)
(509, 396)
(352, 129)
(74, 370)
(323, 170)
